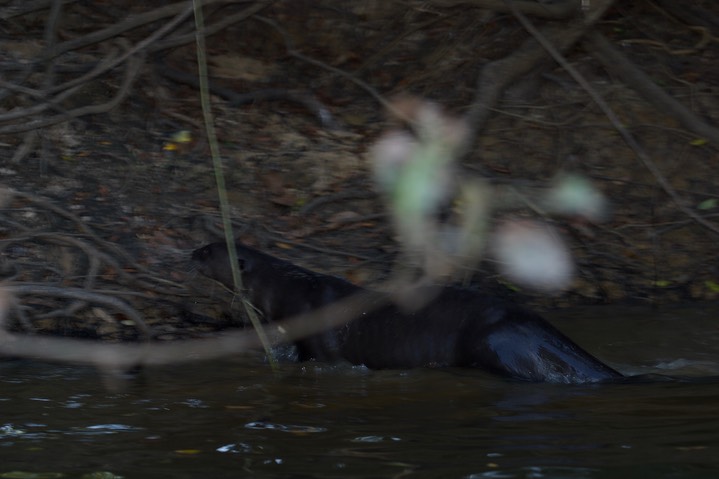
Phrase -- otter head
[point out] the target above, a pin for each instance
(213, 261)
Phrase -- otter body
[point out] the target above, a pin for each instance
(457, 328)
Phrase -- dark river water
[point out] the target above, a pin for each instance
(236, 418)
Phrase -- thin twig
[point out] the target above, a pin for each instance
(220, 178)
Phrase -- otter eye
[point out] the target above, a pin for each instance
(201, 254)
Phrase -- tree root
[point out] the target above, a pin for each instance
(84, 279)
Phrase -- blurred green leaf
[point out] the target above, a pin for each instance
(708, 204)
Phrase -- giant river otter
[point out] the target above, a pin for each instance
(458, 327)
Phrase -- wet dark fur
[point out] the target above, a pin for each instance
(457, 328)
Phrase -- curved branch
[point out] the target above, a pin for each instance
(123, 356)
(133, 68)
(20, 289)
(212, 28)
(130, 23)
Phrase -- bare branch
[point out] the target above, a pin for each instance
(628, 138)
(552, 10)
(617, 63)
(498, 75)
